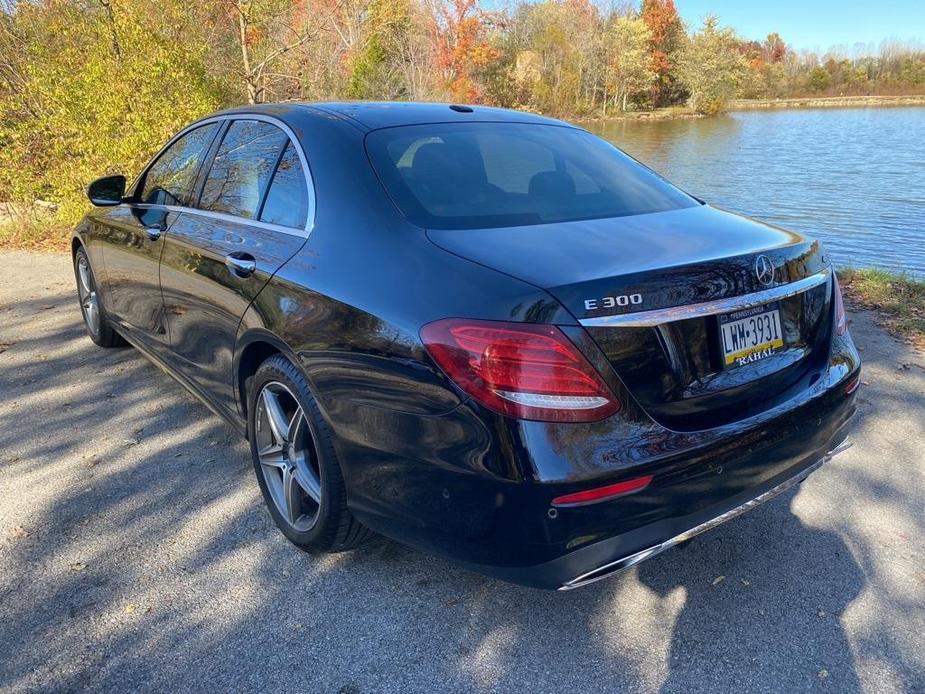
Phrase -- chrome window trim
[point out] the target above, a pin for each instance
(222, 216)
(649, 319)
(272, 120)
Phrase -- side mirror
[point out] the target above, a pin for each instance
(107, 191)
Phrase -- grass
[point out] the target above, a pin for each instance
(33, 233)
(898, 300)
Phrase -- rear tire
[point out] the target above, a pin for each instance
(97, 323)
(295, 462)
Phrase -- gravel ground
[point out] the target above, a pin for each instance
(136, 554)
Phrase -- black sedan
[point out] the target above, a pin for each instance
(484, 333)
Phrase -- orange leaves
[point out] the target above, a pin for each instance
(459, 29)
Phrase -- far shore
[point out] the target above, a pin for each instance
(826, 102)
(680, 112)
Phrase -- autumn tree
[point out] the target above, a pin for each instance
(627, 68)
(666, 39)
(270, 30)
(712, 66)
(554, 55)
(459, 32)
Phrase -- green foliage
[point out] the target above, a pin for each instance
(712, 67)
(101, 97)
(819, 79)
(627, 65)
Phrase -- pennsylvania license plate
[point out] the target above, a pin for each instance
(750, 334)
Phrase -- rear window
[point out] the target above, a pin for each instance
(480, 175)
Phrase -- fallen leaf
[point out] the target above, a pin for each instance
(745, 582)
(718, 580)
(130, 608)
(820, 613)
(18, 532)
(822, 674)
(130, 442)
(77, 566)
(4, 346)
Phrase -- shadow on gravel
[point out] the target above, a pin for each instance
(152, 565)
(774, 623)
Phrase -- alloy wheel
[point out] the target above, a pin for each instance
(287, 454)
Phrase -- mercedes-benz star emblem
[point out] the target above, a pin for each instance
(764, 269)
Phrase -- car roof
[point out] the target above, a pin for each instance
(372, 115)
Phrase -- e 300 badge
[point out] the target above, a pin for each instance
(613, 301)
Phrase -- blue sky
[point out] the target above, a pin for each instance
(814, 24)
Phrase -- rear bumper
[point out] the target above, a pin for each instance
(617, 553)
(626, 562)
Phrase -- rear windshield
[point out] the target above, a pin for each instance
(480, 175)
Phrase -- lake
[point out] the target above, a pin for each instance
(854, 178)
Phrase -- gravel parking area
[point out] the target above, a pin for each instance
(136, 555)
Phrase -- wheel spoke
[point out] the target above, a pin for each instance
(279, 424)
(90, 309)
(272, 456)
(84, 272)
(309, 483)
(292, 429)
(291, 497)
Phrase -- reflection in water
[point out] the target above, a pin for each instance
(853, 177)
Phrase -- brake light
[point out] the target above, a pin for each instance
(841, 321)
(611, 491)
(523, 370)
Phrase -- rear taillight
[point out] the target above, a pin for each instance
(841, 321)
(523, 370)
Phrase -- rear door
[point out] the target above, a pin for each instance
(251, 217)
(133, 235)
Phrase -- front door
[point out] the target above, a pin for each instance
(251, 219)
(133, 235)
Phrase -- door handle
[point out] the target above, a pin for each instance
(241, 264)
(154, 233)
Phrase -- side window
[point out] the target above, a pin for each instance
(170, 180)
(287, 199)
(242, 168)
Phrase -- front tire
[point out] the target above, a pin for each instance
(295, 463)
(96, 321)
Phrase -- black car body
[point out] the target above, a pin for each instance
(360, 287)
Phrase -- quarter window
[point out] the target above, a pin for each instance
(242, 168)
(287, 199)
(170, 179)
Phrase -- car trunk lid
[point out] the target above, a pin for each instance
(652, 290)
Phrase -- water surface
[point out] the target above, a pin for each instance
(854, 178)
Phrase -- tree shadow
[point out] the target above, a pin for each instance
(763, 606)
(152, 564)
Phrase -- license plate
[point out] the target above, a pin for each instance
(750, 335)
